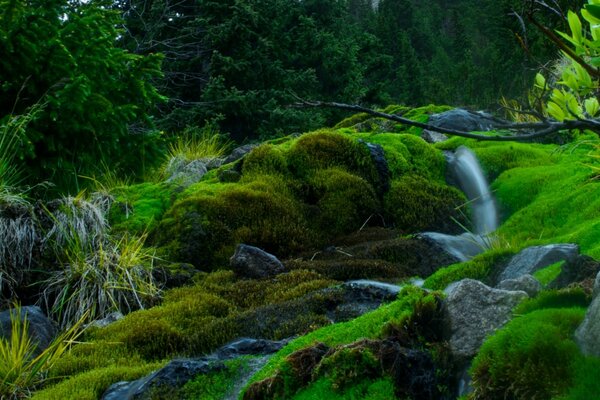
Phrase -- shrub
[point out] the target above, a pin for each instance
(415, 204)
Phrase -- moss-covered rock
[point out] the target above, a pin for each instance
(265, 159)
(415, 204)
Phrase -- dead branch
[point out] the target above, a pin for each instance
(533, 130)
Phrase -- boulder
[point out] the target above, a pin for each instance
(525, 283)
(533, 258)
(41, 329)
(164, 381)
(473, 311)
(362, 296)
(381, 165)
(464, 120)
(588, 333)
(252, 262)
(238, 153)
(578, 269)
(596, 289)
(186, 173)
(249, 346)
(109, 319)
(433, 137)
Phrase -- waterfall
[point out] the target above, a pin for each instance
(466, 170)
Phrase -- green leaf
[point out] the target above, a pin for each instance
(555, 111)
(540, 81)
(575, 25)
(593, 10)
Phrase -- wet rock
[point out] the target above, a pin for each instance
(525, 283)
(41, 329)
(588, 333)
(578, 269)
(596, 289)
(361, 297)
(473, 311)
(238, 153)
(459, 247)
(381, 165)
(433, 137)
(464, 120)
(533, 258)
(252, 262)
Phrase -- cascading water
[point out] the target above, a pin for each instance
(484, 216)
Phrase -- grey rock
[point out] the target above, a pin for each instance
(474, 311)
(464, 386)
(109, 319)
(186, 173)
(533, 258)
(252, 262)
(459, 247)
(249, 346)
(238, 153)
(167, 379)
(525, 283)
(578, 269)
(433, 137)
(214, 163)
(364, 289)
(596, 286)
(381, 165)
(41, 329)
(588, 333)
(464, 120)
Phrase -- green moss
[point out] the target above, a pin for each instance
(366, 326)
(350, 268)
(265, 159)
(203, 229)
(216, 384)
(531, 357)
(90, 385)
(586, 380)
(348, 366)
(328, 149)
(563, 298)
(379, 389)
(139, 208)
(415, 204)
(549, 273)
(481, 267)
(344, 201)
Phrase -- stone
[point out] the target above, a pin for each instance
(588, 333)
(525, 283)
(252, 262)
(459, 247)
(166, 380)
(579, 269)
(596, 289)
(186, 173)
(109, 319)
(433, 137)
(533, 258)
(464, 120)
(362, 296)
(238, 153)
(249, 346)
(381, 165)
(473, 311)
(41, 330)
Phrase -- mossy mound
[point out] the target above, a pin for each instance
(415, 204)
(265, 159)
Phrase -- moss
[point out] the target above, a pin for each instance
(139, 208)
(90, 385)
(216, 384)
(564, 298)
(482, 267)
(378, 389)
(366, 326)
(549, 273)
(347, 366)
(327, 149)
(350, 268)
(203, 229)
(415, 204)
(531, 357)
(265, 159)
(586, 380)
(344, 201)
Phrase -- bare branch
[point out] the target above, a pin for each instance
(534, 129)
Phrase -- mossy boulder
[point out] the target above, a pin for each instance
(265, 159)
(415, 204)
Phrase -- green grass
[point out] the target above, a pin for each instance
(217, 384)
(366, 389)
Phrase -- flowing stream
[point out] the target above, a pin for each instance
(466, 170)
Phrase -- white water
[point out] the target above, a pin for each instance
(484, 215)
